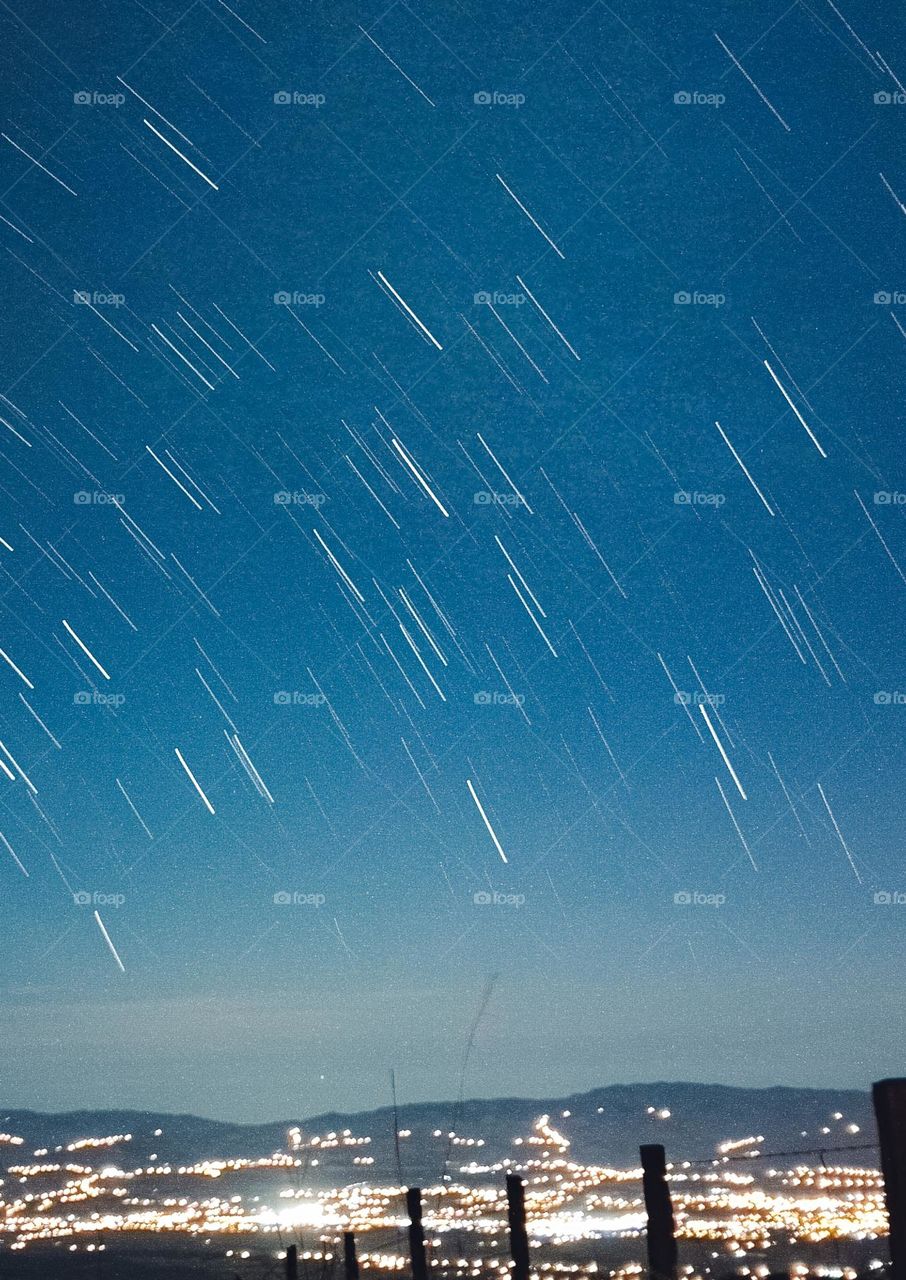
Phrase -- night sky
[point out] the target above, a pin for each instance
(362, 483)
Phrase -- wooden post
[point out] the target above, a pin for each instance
(515, 1195)
(292, 1263)
(662, 1257)
(416, 1234)
(889, 1098)
(350, 1261)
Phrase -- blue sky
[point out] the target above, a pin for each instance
(544, 251)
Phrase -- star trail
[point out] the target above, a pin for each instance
(451, 525)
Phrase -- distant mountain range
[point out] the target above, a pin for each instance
(604, 1126)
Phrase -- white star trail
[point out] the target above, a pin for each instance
(802, 420)
(537, 225)
(887, 549)
(185, 158)
(736, 824)
(382, 279)
(742, 69)
(720, 747)
(107, 939)
(396, 65)
(744, 469)
(6, 658)
(87, 652)
(486, 820)
(194, 781)
(839, 832)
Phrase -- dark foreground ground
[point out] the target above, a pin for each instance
(160, 1259)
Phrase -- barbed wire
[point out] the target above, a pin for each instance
(777, 1155)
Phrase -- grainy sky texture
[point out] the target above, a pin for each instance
(451, 525)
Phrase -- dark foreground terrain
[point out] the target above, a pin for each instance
(156, 1259)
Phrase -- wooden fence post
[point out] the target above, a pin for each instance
(519, 1251)
(350, 1261)
(416, 1234)
(292, 1263)
(889, 1098)
(662, 1256)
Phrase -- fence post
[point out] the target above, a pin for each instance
(515, 1195)
(662, 1257)
(416, 1234)
(292, 1263)
(889, 1098)
(350, 1261)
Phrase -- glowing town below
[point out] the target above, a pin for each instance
(738, 1212)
